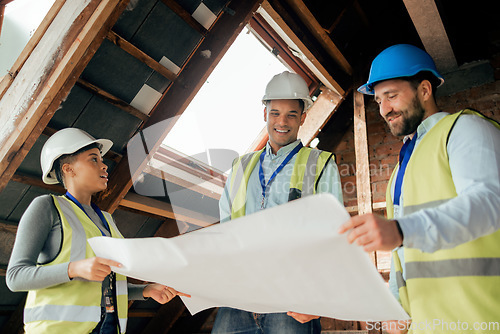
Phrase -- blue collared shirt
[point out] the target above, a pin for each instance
(474, 157)
(277, 192)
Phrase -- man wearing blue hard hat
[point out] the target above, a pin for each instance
(443, 201)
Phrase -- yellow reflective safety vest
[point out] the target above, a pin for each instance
(307, 170)
(75, 306)
(453, 290)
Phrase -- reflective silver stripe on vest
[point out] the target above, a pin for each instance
(453, 267)
(78, 239)
(239, 177)
(414, 208)
(310, 173)
(75, 313)
(123, 325)
(400, 280)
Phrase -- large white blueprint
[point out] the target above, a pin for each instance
(287, 258)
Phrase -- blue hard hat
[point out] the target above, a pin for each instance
(400, 60)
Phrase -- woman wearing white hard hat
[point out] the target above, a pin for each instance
(69, 288)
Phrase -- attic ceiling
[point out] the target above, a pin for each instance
(143, 66)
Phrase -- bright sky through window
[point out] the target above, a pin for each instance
(22, 17)
(227, 112)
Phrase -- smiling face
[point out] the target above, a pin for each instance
(400, 106)
(283, 117)
(87, 173)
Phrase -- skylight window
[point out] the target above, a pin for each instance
(227, 112)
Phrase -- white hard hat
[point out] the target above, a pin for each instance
(66, 141)
(288, 86)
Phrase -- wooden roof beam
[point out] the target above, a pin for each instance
(319, 114)
(430, 28)
(317, 30)
(32, 43)
(164, 209)
(187, 17)
(119, 103)
(341, 15)
(32, 98)
(140, 55)
(274, 15)
(181, 92)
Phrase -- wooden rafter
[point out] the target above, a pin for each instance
(2, 12)
(317, 30)
(163, 209)
(302, 43)
(363, 184)
(430, 28)
(37, 182)
(187, 17)
(182, 91)
(32, 43)
(37, 91)
(319, 114)
(113, 100)
(140, 55)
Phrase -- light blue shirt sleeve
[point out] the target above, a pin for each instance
(474, 156)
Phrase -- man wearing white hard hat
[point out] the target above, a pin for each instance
(443, 201)
(70, 290)
(270, 177)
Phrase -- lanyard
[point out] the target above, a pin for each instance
(263, 183)
(96, 209)
(404, 157)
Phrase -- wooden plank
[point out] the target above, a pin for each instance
(37, 182)
(376, 206)
(181, 92)
(2, 13)
(32, 43)
(270, 13)
(168, 229)
(140, 55)
(363, 184)
(430, 28)
(340, 16)
(260, 141)
(317, 30)
(361, 151)
(187, 17)
(319, 114)
(177, 176)
(112, 99)
(7, 238)
(49, 83)
(142, 313)
(8, 228)
(147, 204)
